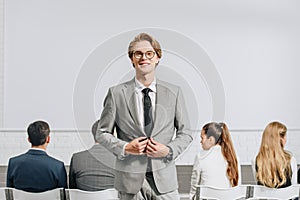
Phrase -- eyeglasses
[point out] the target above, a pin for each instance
(148, 54)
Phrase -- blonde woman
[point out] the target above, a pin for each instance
(275, 167)
(217, 165)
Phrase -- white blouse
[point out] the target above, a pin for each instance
(210, 169)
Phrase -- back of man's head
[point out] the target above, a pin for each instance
(38, 132)
(94, 129)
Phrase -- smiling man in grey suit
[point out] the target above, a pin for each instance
(152, 127)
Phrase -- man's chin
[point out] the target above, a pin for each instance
(145, 66)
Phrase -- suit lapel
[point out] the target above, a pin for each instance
(129, 94)
(162, 103)
(160, 108)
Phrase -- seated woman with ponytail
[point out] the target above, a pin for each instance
(217, 164)
(275, 167)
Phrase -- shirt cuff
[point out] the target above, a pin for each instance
(123, 153)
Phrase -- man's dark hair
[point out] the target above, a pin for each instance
(38, 132)
(94, 129)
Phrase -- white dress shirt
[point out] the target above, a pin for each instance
(140, 102)
(140, 99)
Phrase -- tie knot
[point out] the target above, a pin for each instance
(146, 91)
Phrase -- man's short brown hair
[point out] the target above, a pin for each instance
(145, 37)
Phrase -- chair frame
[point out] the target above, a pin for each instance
(290, 192)
(285, 193)
(248, 190)
(68, 196)
(12, 191)
(218, 193)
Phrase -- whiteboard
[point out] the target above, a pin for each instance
(236, 61)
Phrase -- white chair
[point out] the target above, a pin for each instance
(262, 192)
(75, 194)
(208, 192)
(55, 194)
(4, 193)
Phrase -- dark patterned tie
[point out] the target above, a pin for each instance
(148, 119)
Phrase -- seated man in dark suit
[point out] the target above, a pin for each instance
(92, 169)
(35, 171)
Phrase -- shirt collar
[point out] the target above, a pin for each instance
(139, 86)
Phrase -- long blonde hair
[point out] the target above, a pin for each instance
(273, 163)
(222, 137)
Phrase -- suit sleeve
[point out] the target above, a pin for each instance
(182, 124)
(9, 178)
(106, 127)
(298, 176)
(72, 176)
(62, 178)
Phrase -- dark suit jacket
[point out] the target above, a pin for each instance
(298, 179)
(35, 171)
(171, 128)
(92, 169)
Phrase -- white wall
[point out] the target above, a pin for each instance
(64, 143)
(237, 62)
(1, 60)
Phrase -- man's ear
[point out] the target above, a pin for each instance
(28, 140)
(131, 60)
(48, 139)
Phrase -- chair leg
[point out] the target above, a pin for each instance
(9, 194)
(197, 195)
(67, 195)
(249, 192)
(62, 194)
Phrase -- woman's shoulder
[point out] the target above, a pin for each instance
(293, 159)
(206, 153)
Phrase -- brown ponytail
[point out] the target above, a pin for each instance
(230, 155)
(222, 137)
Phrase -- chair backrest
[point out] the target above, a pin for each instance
(75, 194)
(55, 194)
(4, 193)
(262, 192)
(208, 192)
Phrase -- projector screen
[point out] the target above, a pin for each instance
(236, 61)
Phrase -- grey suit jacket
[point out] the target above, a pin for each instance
(171, 119)
(92, 170)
